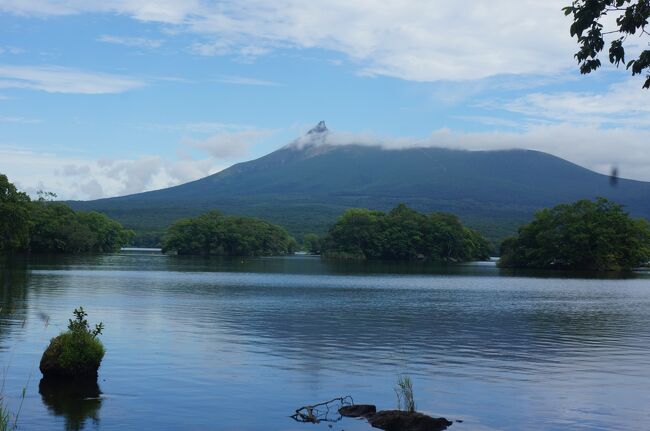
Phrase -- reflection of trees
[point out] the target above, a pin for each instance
(13, 293)
(384, 326)
(75, 400)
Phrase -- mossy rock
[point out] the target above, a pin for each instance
(399, 420)
(72, 355)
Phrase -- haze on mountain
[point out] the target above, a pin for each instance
(305, 185)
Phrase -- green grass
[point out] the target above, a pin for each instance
(5, 418)
(404, 392)
(8, 420)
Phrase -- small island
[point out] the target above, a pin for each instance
(214, 234)
(76, 353)
(586, 235)
(404, 234)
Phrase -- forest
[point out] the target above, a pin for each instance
(43, 226)
(215, 234)
(404, 234)
(585, 235)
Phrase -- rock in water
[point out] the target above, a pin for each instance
(397, 420)
(71, 355)
(358, 411)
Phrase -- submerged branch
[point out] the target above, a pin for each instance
(320, 412)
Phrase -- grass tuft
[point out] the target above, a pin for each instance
(404, 392)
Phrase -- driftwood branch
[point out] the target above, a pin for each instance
(320, 412)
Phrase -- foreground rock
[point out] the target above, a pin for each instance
(397, 420)
(358, 411)
(72, 355)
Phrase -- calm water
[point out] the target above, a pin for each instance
(199, 344)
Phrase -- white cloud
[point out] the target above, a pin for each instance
(622, 104)
(200, 127)
(72, 177)
(19, 120)
(71, 170)
(242, 80)
(228, 144)
(55, 79)
(421, 40)
(11, 50)
(590, 146)
(140, 42)
(166, 11)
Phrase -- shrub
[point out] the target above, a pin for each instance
(404, 392)
(76, 352)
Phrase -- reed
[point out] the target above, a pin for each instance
(404, 392)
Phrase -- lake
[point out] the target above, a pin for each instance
(232, 344)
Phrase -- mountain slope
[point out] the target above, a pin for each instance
(307, 184)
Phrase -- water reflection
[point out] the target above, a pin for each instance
(424, 326)
(154, 261)
(14, 278)
(76, 401)
(193, 343)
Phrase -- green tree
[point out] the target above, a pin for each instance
(14, 217)
(312, 243)
(586, 235)
(56, 228)
(109, 235)
(404, 234)
(627, 17)
(44, 226)
(215, 234)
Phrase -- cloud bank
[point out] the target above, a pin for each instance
(419, 40)
(586, 145)
(56, 79)
(84, 178)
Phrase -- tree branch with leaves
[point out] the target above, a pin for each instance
(589, 20)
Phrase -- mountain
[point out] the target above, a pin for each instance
(305, 185)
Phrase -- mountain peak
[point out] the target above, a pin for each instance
(318, 129)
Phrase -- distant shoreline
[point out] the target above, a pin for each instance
(151, 249)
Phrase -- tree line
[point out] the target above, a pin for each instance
(216, 234)
(401, 234)
(42, 226)
(585, 235)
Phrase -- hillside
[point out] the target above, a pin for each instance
(305, 185)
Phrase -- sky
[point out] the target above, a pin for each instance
(102, 98)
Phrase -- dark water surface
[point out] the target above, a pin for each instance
(200, 344)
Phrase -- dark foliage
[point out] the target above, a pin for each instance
(14, 217)
(589, 18)
(48, 227)
(404, 234)
(585, 235)
(218, 235)
(312, 243)
(56, 228)
(76, 352)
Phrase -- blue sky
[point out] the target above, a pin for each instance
(104, 98)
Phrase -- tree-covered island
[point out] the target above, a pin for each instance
(404, 234)
(586, 235)
(41, 226)
(215, 234)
